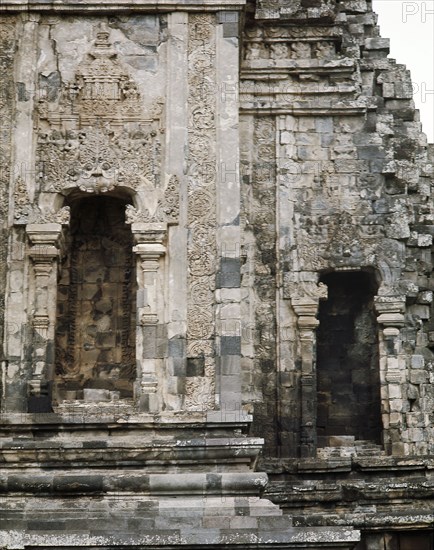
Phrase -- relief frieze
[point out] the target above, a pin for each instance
(98, 159)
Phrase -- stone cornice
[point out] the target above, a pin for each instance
(101, 6)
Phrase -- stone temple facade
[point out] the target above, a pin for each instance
(216, 277)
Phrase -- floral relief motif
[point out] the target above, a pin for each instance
(260, 208)
(200, 392)
(201, 207)
(25, 212)
(294, 289)
(97, 160)
(167, 208)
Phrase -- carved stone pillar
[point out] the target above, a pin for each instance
(390, 311)
(149, 250)
(305, 301)
(44, 251)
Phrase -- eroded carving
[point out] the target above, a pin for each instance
(167, 208)
(101, 90)
(297, 290)
(26, 212)
(7, 47)
(99, 159)
(97, 135)
(201, 204)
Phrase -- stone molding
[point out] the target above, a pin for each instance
(44, 251)
(305, 297)
(149, 249)
(100, 6)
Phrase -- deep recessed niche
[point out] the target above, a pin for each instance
(348, 378)
(95, 328)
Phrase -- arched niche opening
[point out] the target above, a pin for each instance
(348, 375)
(95, 324)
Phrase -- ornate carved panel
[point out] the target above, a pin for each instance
(167, 207)
(201, 208)
(96, 135)
(7, 32)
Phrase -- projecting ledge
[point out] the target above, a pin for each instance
(231, 538)
(121, 5)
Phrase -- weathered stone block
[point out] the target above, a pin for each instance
(230, 345)
(195, 366)
(229, 274)
(418, 376)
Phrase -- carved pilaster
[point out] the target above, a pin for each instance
(392, 365)
(149, 249)
(201, 246)
(305, 297)
(45, 241)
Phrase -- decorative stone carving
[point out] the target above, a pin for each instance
(25, 212)
(44, 252)
(259, 200)
(201, 199)
(301, 50)
(101, 90)
(325, 50)
(334, 241)
(7, 50)
(279, 50)
(167, 210)
(295, 10)
(199, 393)
(302, 289)
(256, 50)
(98, 159)
(98, 136)
(305, 295)
(343, 147)
(22, 206)
(344, 245)
(149, 249)
(391, 319)
(200, 348)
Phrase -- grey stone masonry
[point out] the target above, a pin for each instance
(216, 279)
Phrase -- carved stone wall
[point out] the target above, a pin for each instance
(7, 99)
(200, 381)
(95, 132)
(259, 277)
(198, 296)
(347, 134)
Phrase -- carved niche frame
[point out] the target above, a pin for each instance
(305, 292)
(97, 138)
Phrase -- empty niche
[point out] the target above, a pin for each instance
(95, 328)
(348, 378)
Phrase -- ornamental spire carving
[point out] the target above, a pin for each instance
(97, 134)
(102, 90)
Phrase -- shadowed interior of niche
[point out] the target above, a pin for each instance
(348, 378)
(95, 328)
